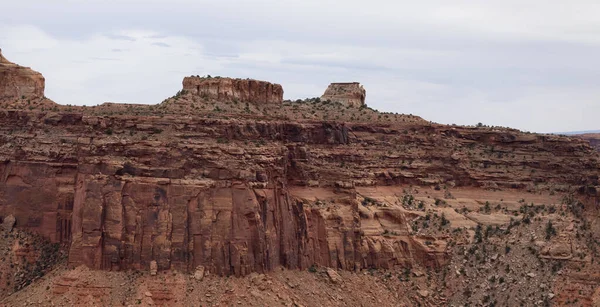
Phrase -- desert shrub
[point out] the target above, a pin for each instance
(550, 230)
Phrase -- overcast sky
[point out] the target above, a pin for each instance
(532, 65)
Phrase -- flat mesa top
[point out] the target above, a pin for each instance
(345, 83)
(224, 78)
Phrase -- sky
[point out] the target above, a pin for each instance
(532, 65)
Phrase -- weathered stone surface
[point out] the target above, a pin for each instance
(350, 94)
(8, 223)
(153, 268)
(197, 184)
(245, 193)
(334, 277)
(40, 196)
(18, 81)
(199, 273)
(240, 90)
(183, 202)
(593, 138)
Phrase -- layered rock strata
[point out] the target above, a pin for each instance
(238, 196)
(241, 192)
(228, 89)
(593, 138)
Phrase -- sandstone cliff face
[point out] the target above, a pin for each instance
(238, 189)
(228, 89)
(241, 196)
(201, 184)
(350, 94)
(17, 81)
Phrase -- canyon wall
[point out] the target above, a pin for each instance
(241, 196)
(204, 182)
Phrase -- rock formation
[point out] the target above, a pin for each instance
(18, 81)
(189, 198)
(228, 89)
(593, 138)
(350, 94)
(219, 188)
(3, 60)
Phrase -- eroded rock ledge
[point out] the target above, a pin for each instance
(593, 138)
(239, 196)
(18, 81)
(229, 89)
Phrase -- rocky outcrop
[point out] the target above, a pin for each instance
(18, 81)
(8, 223)
(350, 94)
(593, 138)
(3, 60)
(25, 258)
(228, 89)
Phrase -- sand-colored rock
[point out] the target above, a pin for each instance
(18, 81)
(153, 268)
(350, 94)
(334, 277)
(199, 273)
(234, 90)
(8, 223)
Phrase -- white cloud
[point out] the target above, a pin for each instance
(126, 66)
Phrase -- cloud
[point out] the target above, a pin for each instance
(530, 65)
(161, 44)
(120, 37)
(89, 71)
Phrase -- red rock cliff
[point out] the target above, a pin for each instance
(228, 89)
(202, 192)
(243, 192)
(17, 81)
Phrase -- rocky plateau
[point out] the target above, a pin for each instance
(226, 194)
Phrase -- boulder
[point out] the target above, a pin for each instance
(334, 277)
(199, 273)
(153, 268)
(9, 222)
